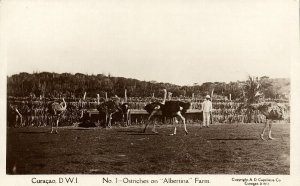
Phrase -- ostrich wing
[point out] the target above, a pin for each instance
(108, 107)
(125, 107)
(153, 106)
(185, 106)
(172, 107)
(276, 112)
(57, 107)
(102, 108)
(272, 111)
(112, 107)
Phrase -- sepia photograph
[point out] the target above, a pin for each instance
(149, 88)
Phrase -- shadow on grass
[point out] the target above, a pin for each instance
(137, 132)
(130, 131)
(231, 139)
(34, 132)
(84, 128)
(143, 134)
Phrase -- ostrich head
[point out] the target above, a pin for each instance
(258, 94)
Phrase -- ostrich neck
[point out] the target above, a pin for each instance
(65, 105)
(125, 96)
(165, 96)
(18, 113)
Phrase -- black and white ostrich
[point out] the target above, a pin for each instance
(113, 107)
(167, 109)
(13, 116)
(107, 109)
(252, 101)
(272, 111)
(56, 110)
(125, 110)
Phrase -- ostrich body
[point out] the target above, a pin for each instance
(252, 96)
(125, 110)
(25, 110)
(108, 108)
(13, 115)
(168, 109)
(56, 110)
(113, 107)
(272, 111)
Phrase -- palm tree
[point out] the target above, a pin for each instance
(252, 90)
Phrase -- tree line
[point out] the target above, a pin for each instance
(49, 84)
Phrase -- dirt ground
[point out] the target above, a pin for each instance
(220, 149)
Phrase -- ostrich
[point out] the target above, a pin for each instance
(56, 110)
(108, 108)
(112, 107)
(125, 110)
(252, 96)
(272, 111)
(13, 115)
(168, 109)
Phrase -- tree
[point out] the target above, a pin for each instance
(251, 90)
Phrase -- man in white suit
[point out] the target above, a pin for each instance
(207, 110)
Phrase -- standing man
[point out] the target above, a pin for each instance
(207, 111)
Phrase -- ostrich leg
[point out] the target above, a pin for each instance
(57, 121)
(19, 118)
(106, 118)
(184, 124)
(124, 120)
(270, 130)
(109, 120)
(16, 121)
(147, 122)
(128, 118)
(21, 121)
(153, 129)
(263, 131)
(174, 123)
(51, 126)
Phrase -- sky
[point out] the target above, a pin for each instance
(179, 41)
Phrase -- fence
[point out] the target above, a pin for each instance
(35, 114)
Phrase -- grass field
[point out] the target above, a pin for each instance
(220, 149)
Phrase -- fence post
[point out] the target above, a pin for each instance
(84, 95)
(125, 95)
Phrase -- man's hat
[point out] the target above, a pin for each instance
(207, 97)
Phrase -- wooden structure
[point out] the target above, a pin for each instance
(141, 116)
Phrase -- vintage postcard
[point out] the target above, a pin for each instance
(131, 92)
